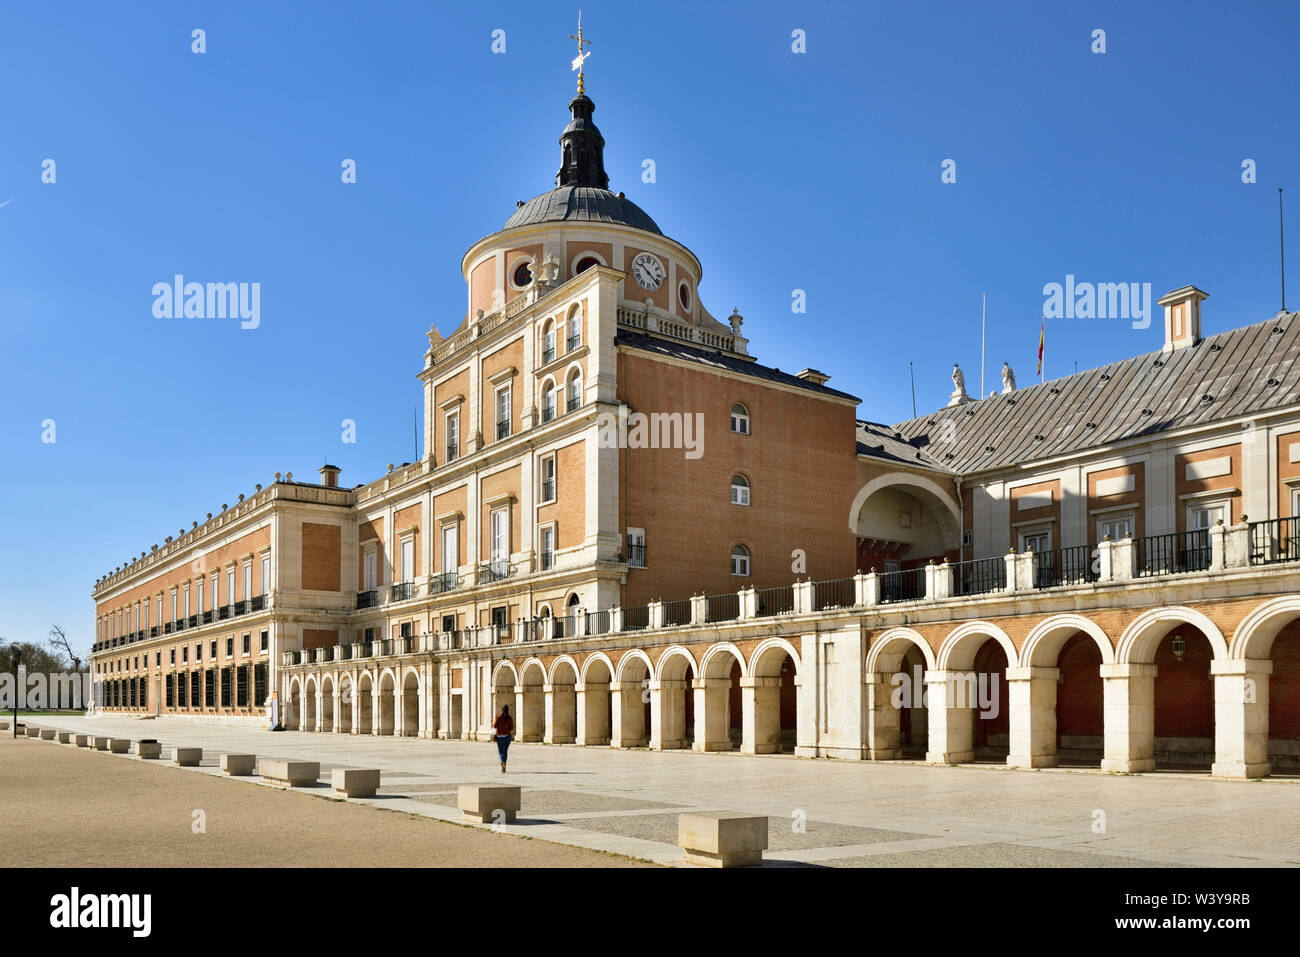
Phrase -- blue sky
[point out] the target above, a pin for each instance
(781, 171)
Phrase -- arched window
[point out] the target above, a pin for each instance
(574, 339)
(739, 490)
(548, 401)
(585, 263)
(740, 561)
(548, 342)
(575, 391)
(739, 419)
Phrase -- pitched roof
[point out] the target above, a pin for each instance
(1241, 372)
(721, 360)
(884, 442)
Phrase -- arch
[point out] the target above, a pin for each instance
(888, 648)
(673, 652)
(1140, 639)
(579, 257)
(709, 667)
(566, 661)
(741, 560)
(957, 653)
(765, 652)
(548, 391)
(410, 694)
(505, 665)
(526, 671)
(1255, 635)
(740, 489)
(572, 321)
(546, 340)
(740, 418)
(573, 396)
(636, 654)
(598, 658)
(1048, 637)
(927, 490)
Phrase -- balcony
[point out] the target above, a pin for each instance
(503, 430)
(906, 585)
(636, 555)
(572, 342)
(453, 453)
(193, 621)
(241, 607)
(401, 591)
(496, 570)
(1173, 553)
(258, 603)
(367, 599)
(207, 617)
(548, 409)
(574, 403)
(1275, 540)
(224, 612)
(548, 355)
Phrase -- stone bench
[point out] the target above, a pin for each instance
(238, 764)
(293, 774)
(187, 757)
(83, 740)
(101, 744)
(480, 802)
(722, 838)
(33, 731)
(355, 782)
(119, 745)
(4, 725)
(65, 737)
(149, 749)
(47, 734)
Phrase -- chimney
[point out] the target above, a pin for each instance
(813, 376)
(329, 476)
(1182, 317)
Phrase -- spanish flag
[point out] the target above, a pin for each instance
(1041, 331)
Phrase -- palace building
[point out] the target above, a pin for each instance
(637, 535)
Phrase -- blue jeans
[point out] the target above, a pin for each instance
(503, 745)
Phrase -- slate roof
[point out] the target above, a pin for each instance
(885, 442)
(1237, 373)
(587, 204)
(720, 360)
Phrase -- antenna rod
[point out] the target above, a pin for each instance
(984, 305)
(911, 375)
(1281, 240)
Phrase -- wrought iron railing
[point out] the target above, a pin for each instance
(677, 611)
(1075, 565)
(836, 593)
(774, 601)
(979, 576)
(1275, 540)
(904, 585)
(400, 591)
(722, 607)
(637, 618)
(494, 571)
(367, 599)
(598, 622)
(1172, 553)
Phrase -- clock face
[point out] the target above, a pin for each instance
(648, 271)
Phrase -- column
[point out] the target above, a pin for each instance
(666, 717)
(1241, 717)
(712, 714)
(884, 735)
(760, 708)
(950, 740)
(627, 715)
(1031, 694)
(1129, 707)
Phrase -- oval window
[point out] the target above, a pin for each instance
(684, 296)
(585, 263)
(522, 276)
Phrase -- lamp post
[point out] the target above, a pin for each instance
(17, 654)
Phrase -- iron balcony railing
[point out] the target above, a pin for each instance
(548, 356)
(224, 612)
(634, 619)
(548, 491)
(194, 621)
(1172, 553)
(167, 628)
(573, 404)
(453, 453)
(503, 430)
(572, 342)
(837, 593)
(207, 617)
(598, 622)
(636, 555)
(548, 408)
(257, 603)
(400, 591)
(979, 576)
(153, 632)
(241, 607)
(367, 599)
(677, 612)
(494, 571)
(441, 582)
(774, 601)
(904, 585)
(1275, 540)
(722, 607)
(1076, 565)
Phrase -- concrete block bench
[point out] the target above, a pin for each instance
(47, 734)
(33, 731)
(187, 757)
(149, 749)
(722, 838)
(4, 725)
(83, 740)
(65, 737)
(238, 764)
(355, 782)
(101, 744)
(293, 774)
(480, 802)
(119, 745)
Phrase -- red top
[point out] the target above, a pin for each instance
(504, 724)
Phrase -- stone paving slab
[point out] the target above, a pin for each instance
(990, 855)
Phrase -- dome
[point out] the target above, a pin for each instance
(582, 204)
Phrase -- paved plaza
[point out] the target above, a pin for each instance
(821, 812)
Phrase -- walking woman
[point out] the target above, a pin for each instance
(504, 726)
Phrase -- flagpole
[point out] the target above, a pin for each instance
(984, 307)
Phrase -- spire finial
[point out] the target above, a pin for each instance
(577, 61)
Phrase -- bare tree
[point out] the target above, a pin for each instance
(60, 643)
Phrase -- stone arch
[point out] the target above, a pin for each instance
(760, 662)
(631, 713)
(1140, 639)
(928, 491)
(386, 700)
(669, 657)
(719, 689)
(622, 671)
(562, 717)
(890, 646)
(771, 698)
(294, 715)
(1255, 635)
(709, 664)
(1065, 722)
(410, 695)
(530, 702)
(309, 704)
(566, 660)
(672, 700)
(365, 703)
(347, 696)
(1043, 645)
(327, 703)
(598, 658)
(957, 653)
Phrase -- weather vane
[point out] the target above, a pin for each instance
(577, 61)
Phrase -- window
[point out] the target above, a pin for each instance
(575, 391)
(450, 550)
(145, 620)
(451, 431)
(548, 343)
(209, 689)
(585, 263)
(241, 687)
(182, 691)
(157, 659)
(501, 618)
(448, 622)
(1038, 540)
(198, 652)
(248, 581)
(739, 419)
(266, 574)
(500, 539)
(230, 647)
(198, 596)
(173, 656)
(266, 638)
(740, 561)
(196, 688)
(574, 339)
(1207, 516)
(404, 630)
(503, 411)
(173, 605)
(522, 276)
(230, 585)
(739, 490)
(548, 401)
(408, 558)
(212, 650)
(185, 655)
(546, 491)
(186, 606)
(247, 642)
(215, 579)
(1115, 527)
(684, 295)
(636, 547)
(225, 687)
(259, 684)
(547, 547)
(370, 570)
(171, 691)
